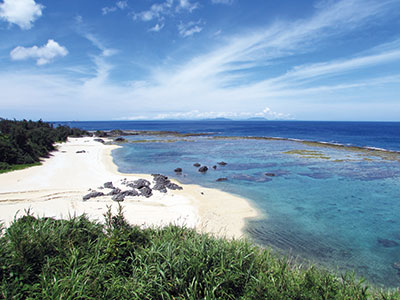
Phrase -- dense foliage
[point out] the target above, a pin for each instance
(25, 142)
(79, 259)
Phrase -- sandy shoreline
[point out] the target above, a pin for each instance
(55, 189)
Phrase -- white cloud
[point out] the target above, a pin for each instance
(190, 28)
(187, 5)
(118, 5)
(21, 12)
(107, 10)
(43, 55)
(228, 2)
(156, 11)
(221, 82)
(122, 4)
(266, 113)
(168, 8)
(157, 27)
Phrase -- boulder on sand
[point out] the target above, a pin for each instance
(93, 194)
(203, 169)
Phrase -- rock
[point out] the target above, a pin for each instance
(138, 184)
(118, 197)
(214, 167)
(173, 186)
(81, 151)
(120, 140)
(161, 179)
(99, 140)
(93, 194)
(131, 193)
(115, 191)
(146, 191)
(222, 163)
(396, 265)
(270, 174)
(160, 187)
(178, 170)
(387, 243)
(196, 165)
(121, 196)
(108, 185)
(203, 169)
(222, 179)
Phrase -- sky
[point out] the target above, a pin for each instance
(188, 59)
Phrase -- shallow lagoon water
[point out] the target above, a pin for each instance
(332, 206)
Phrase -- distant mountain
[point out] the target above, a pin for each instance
(217, 119)
(257, 119)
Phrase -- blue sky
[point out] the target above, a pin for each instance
(187, 59)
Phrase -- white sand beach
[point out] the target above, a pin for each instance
(55, 189)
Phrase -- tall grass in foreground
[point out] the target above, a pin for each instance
(80, 259)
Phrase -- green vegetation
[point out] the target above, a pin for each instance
(23, 143)
(79, 259)
(8, 168)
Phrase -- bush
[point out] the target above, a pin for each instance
(79, 259)
(25, 142)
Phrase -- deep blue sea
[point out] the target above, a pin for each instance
(338, 207)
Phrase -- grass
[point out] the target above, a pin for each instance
(80, 259)
(10, 168)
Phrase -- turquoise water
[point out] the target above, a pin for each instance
(335, 207)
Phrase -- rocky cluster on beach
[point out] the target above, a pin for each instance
(139, 187)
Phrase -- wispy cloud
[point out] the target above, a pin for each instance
(21, 12)
(156, 11)
(118, 5)
(227, 2)
(224, 81)
(190, 28)
(168, 8)
(187, 5)
(157, 27)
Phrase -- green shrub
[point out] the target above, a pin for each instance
(80, 259)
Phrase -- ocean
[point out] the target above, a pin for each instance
(326, 195)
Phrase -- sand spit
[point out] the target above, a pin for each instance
(55, 189)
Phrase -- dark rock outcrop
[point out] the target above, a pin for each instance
(108, 185)
(222, 163)
(99, 140)
(173, 186)
(387, 243)
(160, 187)
(120, 140)
(138, 184)
(203, 169)
(115, 191)
(162, 183)
(196, 165)
(81, 151)
(121, 196)
(178, 170)
(146, 191)
(270, 174)
(93, 194)
(222, 179)
(214, 167)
